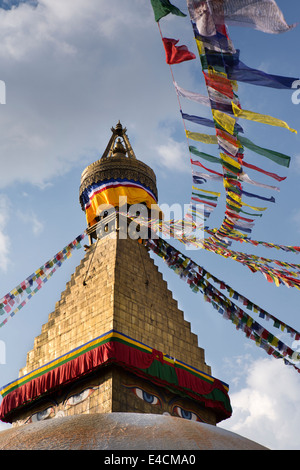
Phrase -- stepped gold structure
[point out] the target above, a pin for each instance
(117, 366)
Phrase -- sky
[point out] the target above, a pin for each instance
(72, 69)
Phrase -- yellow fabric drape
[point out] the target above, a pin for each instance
(111, 196)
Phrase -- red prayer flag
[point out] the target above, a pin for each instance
(176, 54)
(221, 84)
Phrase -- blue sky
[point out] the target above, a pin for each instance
(72, 69)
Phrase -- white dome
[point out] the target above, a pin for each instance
(122, 431)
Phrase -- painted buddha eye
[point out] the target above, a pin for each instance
(147, 397)
(79, 397)
(40, 416)
(186, 414)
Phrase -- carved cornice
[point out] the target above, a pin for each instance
(118, 167)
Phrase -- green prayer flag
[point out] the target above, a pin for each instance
(212, 159)
(276, 157)
(211, 198)
(164, 7)
(207, 157)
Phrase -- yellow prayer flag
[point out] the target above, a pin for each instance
(235, 204)
(274, 341)
(205, 138)
(212, 71)
(208, 192)
(224, 120)
(263, 118)
(235, 196)
(254, 207)
(200, 46)
(230, 160)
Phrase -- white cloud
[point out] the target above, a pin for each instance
(267, 410)
(174, 156)
(32, 219)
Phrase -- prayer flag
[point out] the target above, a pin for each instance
(176, 54)
(198, 120)
(206, 176)
(256, 168)
(262, 118)
(276, 157)
(205, 138)
(237, 70)
(195, 162)
(219, 83)
(219, 42)
(270, 199)
(224, 120)
(263, 15)
(244, 177)
(221, 119)
(230, 160)
(228, 142)
(162, 8)
(201, 99)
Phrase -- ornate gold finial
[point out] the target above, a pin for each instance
(119, 129)
(119, 150)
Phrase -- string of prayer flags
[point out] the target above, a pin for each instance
(220, 88)
(162, 8)
(286, 276)
(14, 300)
(286, 248)
(194, 275)
(222, 70)
(176, 54)
(276, 157)
(229, 161)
